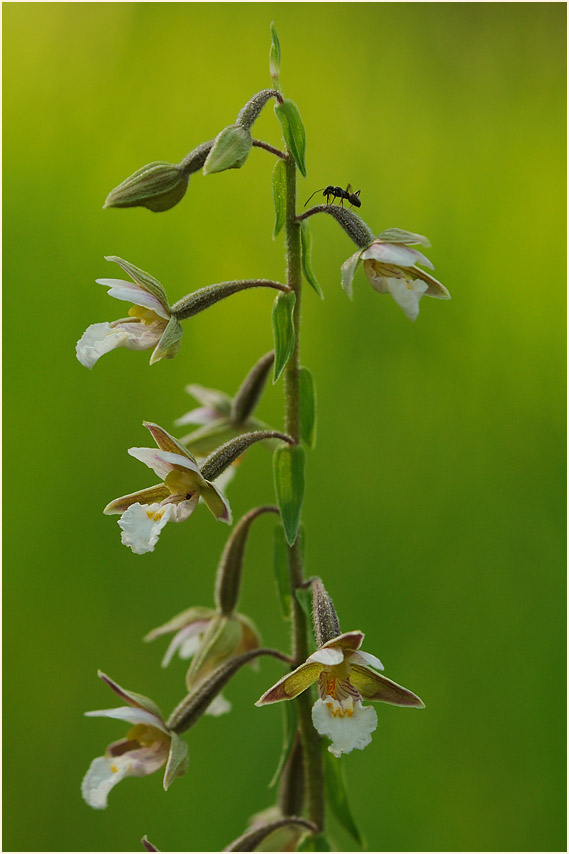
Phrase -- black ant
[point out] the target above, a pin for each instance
(338, 193)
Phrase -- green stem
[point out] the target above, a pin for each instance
(312, 753)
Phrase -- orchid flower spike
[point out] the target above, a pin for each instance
(144, 513)
(345, 676)
(149, 324)
(147, 747)
(390, 266)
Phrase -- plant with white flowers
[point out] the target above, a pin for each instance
(218, 640)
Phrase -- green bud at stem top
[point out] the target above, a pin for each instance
(251, 389)
(228, 582)
(326, 623)
(356, 229)
(205, 297)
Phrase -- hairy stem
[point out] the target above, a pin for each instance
(312, 754)
(260, 144)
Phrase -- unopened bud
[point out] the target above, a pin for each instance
(228, 581)
(326, 623)
(230, 150)
(157, 186)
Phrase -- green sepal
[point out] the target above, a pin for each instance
(315, 842)
(306, 247)
(307, 393)
(169, 343)
(399, 235)
(283, 331)
(293, 131)
(177, 764)
(145, 280)
(230, 150)
(288, 469)
(337, 796)
(290, 725)
(282, 575)
(279, 195)
(275, 56)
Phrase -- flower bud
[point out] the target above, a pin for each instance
(157, 186)
(230, 150)
(326, 623)
(228, 581)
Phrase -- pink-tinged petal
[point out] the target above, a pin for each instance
(139, 335)
(185, 618)
(348, 269)
(374, 686)
(202, 415)
(106, 771)
(434, 287)
(348, 640)
(329, 656)
(216, 503)
(407, 295)
(211, 398)
(131, 697)
(167, 442)
(395, 253)
(177, 764)
(129, 292)
(350, 728)
(98, 339)
(141, 525)
(187, 641)
(130, 714)
(362, 657)
(377, 277)
(152, 495)
(291, 685)
(163, 462)
(182, 510)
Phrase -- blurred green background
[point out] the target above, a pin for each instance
(435, 501)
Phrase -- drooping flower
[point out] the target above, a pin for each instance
(147, 747)
(390, 266)
(149, 324)
(209, 638)
(146, 512)
(345, 676)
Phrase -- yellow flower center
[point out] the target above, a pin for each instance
(181, 483)
(144, 315)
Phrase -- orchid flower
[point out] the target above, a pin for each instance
(209, 638)
(345, 676)
(390, 266)
(149, 323)
(146, 512)
(147, 747)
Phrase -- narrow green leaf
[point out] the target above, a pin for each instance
(290, 725)
(283, 331)
(293, 132)
(307, 407)
(279, 195)
(315, 842)
(306, 246)
(337, 796)
(282, 575)
(275, 56)
(288, 469)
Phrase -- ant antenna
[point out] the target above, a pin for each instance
(313, 194)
